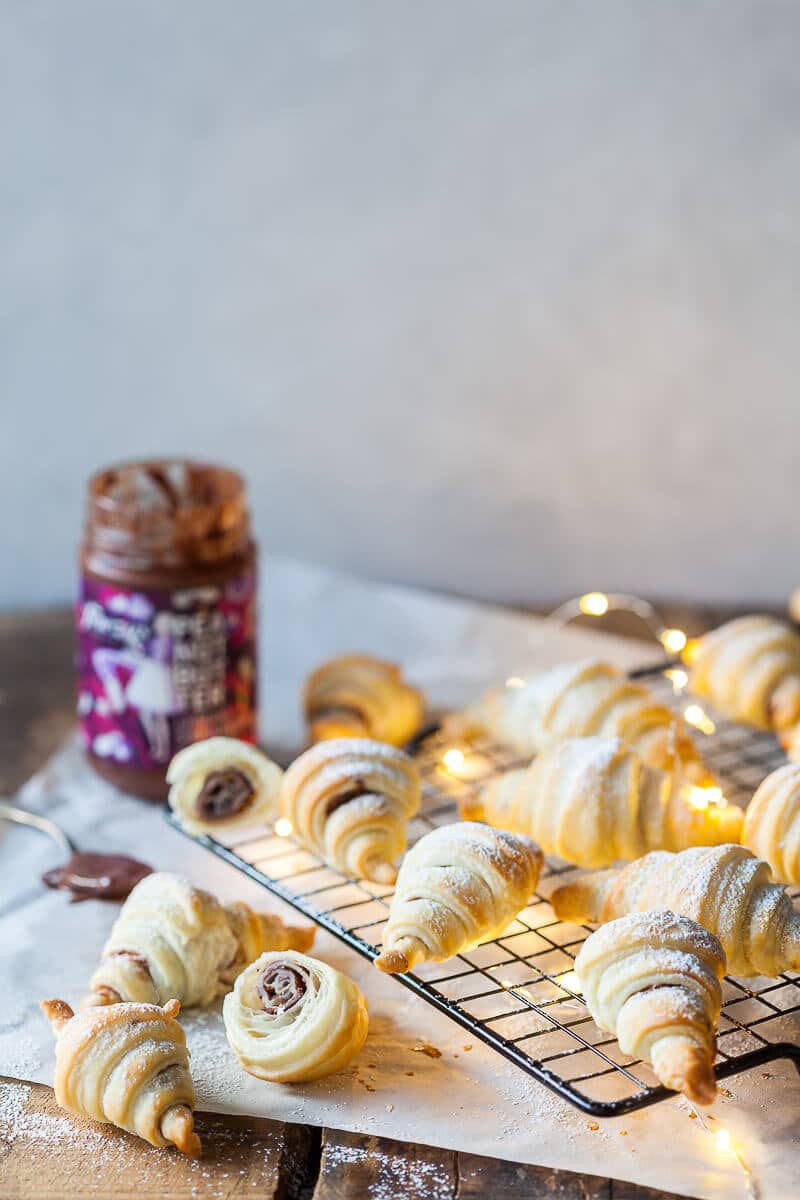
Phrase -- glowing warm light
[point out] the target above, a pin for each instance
(570, 981)
(723, 1139)
(454, 760)
(695, 715)
(514, 681)
(284, 827)
(673, 640)
(594, 604)
(690, 650)
(702, 798)
(677, 677)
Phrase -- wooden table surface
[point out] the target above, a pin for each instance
(41, 1157)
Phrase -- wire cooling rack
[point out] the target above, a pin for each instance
(519, 993)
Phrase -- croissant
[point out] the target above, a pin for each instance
(360, 696)
(127, 1065)
(592, 801)
(772, 823)
(291, 1018)
(749, 669)
(653, 980)
(172, 939)
(221, 785)
(724, 888)
(458, 886)
(582, 699)
(350, 801)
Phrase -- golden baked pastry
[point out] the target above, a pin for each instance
(360, 696)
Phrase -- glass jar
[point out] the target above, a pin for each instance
(165, 618)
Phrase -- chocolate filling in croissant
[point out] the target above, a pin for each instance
(356, 789)
(224, 794)
(281, 986)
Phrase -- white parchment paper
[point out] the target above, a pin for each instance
(469, 1099)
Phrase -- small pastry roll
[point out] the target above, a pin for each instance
(586, 699)
(173, 940)
(222, 785)
(126, 1065)
(653, 980)
(592, 801)
(749, 669)
(772, 823)
(723, 888)
(458, 886)
(291, 1018)
(350, 801)
(360, 696)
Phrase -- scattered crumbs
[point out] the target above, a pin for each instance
(724, 1092)
(466, 1048)
(455, 1056)
(427, 1048)
(390, 1108)
(593, 1125)
(372, 1066)
(692, 1115)
(411, 1073)
(369, 1087)
(767, 1075)
(623, 1133)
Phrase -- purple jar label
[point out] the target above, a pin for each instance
(158, 670)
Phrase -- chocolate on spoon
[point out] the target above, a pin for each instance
(85, 875)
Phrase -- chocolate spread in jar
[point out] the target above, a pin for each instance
(166, 618)
(97, 876)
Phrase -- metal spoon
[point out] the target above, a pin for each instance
(10, 812)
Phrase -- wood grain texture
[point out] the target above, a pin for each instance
(44, 1154)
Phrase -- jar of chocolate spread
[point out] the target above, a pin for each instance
(166, 617)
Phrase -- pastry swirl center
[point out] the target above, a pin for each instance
(224, 794)
(281, 986)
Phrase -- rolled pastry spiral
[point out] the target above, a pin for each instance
(653, 980)
(222, 785)
(173, 940)
(127, 1065)
(291, 1018)
(360, 696)
(592, 801)
(585, 699)
(350, 800)
(460, 885)
(772, 823)
(723, 888)
(749, 669)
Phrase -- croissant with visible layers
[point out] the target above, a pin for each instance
(222, 785)
(126, 1065)
(772, 823)
(350, 801)
(360, 696)
(291, 1018)
(653, 980)
(749, 669)
(723, 888)
(458, 886)
(592, 801)
(173, 940)
(585, 699)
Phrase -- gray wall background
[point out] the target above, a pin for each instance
(499, 297)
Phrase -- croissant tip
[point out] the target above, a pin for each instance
(381, 872)
(100, 996)
(58, 1012)
(171, 1008)
(177, 1127)
(392, 962)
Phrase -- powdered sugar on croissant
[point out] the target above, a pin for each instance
(592, 801)
(221, 785)
(653, 980)
(350, 800)
(585, 699)
(772, 823)
(458, 886)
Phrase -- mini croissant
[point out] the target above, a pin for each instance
(749, 669)
(592, 801)
(458, 886)
(585, 699)
(360, 696)
(127, 1065)
(653, 980)
(222, 785)
(350, 800)
(723, 888)
(173, 940)
(772, 823)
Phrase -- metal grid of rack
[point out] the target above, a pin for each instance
(518, 993)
